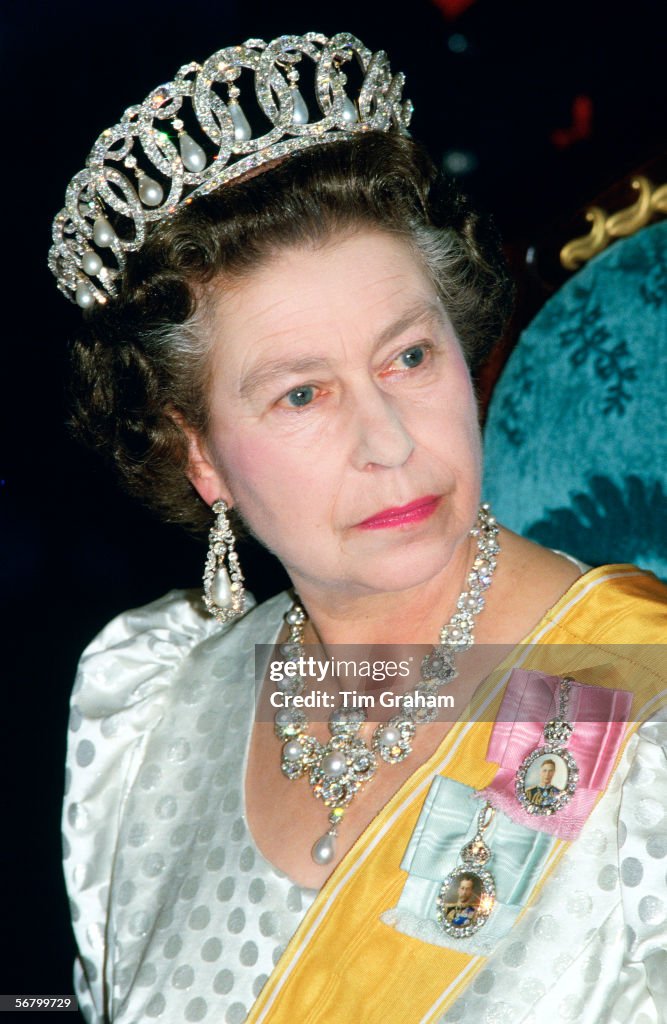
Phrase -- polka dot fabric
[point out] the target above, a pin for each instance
(593, 949)
(155, 835)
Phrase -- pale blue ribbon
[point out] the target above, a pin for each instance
(449, 820)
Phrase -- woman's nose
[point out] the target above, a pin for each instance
(381, 437)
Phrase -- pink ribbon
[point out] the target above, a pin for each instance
(599, 717)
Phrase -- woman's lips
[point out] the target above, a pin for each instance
(417, 510)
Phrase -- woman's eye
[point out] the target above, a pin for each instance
(410, 358)
(298, 397)
(413, 356)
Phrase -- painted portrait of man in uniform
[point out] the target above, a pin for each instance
(545, 780)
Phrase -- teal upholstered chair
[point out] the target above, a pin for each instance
(576, 435)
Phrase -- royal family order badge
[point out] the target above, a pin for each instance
(468, 893)
(548, 776)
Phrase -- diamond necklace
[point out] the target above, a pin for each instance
(338, 769)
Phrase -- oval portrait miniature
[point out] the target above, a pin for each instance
(546, 780)
(465, 900)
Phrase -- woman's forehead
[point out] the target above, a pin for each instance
(370, 284)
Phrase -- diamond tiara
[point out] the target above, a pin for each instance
(185, 140)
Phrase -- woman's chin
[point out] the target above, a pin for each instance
(402, 569)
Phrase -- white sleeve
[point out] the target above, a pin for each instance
(119, 697)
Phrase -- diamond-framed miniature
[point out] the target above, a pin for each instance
(466, 898)
(546, 780)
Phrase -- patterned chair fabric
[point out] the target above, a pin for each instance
(576, 436)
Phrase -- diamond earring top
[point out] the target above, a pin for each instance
(193, 134)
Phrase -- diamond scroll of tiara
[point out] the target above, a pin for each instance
(188, 137)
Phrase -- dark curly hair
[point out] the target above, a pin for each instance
(144, 356)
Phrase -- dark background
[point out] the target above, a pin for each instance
(537, 106)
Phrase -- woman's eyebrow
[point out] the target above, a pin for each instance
(271, 368)
(421, 311)
(261, 375)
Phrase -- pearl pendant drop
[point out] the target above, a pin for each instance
(300, 115)
(350, 114)
(91, 263)
(151, 192)
(192, 155)
(103, 234)
(221, 591)
(324, 850)
(84, 296)
(242, 130)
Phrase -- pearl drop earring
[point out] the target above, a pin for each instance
(224, 593)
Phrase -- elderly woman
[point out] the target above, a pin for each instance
(280, 326)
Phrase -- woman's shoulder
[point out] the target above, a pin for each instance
(145, 665)
(612, 623)
(617, 603)
(138, 652)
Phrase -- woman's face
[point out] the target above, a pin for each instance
(343, 425)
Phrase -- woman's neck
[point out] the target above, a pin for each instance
(407, 616)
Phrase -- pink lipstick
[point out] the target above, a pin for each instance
(417, 510)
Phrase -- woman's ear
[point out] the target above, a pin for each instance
(201, 471)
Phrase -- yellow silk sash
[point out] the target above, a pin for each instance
(344, 964)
